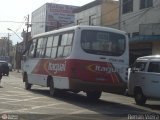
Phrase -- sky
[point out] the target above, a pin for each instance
(13, 14)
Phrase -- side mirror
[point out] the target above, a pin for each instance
(133, 69)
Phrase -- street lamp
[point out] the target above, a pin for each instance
(17, 57)
(14, 33)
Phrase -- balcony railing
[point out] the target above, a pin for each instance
(145, 38)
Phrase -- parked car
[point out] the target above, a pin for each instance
(10, 66)
(4, 67)
(144, 79)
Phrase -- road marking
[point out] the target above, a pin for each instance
(28, 105)
(43, 106)
(71, 115)
(32, 108)
(14, 83)
(78, 112)
(66, 109)
(22, 95)
(2, 110)
(9, 99)
(24, 100)
(19, 88)
(16, 92)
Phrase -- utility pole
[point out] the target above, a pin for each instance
(27, 35)
(17, 57)
(8, 50)
(120, 11)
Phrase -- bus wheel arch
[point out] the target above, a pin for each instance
(139, 97)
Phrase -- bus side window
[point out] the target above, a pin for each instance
(49, 47)
(38, 47)
(70, 39)
(54, 47)
(32, 49)
(65, 46)
(41, 47)
(64, 39)
(60, 51)
(62, 43)
(67, 51)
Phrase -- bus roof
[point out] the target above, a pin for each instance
(80, 27)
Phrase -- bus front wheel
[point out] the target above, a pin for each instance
(27, 85)
(94, 95)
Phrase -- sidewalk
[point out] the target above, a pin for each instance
(17, 73)
(16, 70)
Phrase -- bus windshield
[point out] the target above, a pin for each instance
(102, 43)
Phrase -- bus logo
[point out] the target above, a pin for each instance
(99, 68)
(57, 67)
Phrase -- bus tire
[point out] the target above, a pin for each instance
(52, 90)
(7, 73)
(93, 95)
(140, 99)
(27, 85)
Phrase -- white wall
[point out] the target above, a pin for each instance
(84, 15)
(130, 21)
(38, 20)
(48, 16)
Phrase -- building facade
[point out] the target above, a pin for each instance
(98, 12)
(4, 46)
(141, 20)
(6, 49)
(51, 16)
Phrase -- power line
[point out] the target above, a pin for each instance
(134, 14)
(97, 17)
(128, 18)
(21, 25)
(140, 14)
(109, 12)
(52, 21)
(10, 22)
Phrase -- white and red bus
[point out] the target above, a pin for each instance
(80, 58)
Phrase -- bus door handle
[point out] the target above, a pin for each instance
(102, 58)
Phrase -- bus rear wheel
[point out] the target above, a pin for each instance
(93, 95)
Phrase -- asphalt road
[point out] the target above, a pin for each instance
(36, 104)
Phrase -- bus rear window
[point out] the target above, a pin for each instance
(102, 43)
